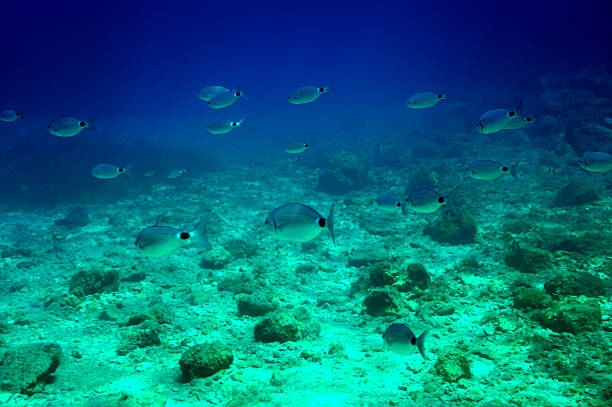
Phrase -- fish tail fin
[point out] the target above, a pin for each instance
(199, 234)
(450, 201)
(128, 170)
(21, 114)
(330, 224)
(91, 123)
(330, 88)
(421, 344)
(519, 108)
(239, 122)
(514, 169)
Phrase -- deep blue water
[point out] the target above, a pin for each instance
(137, 67)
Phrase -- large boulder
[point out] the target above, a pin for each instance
(205, 360)
(26, 368)
(577, 284)
(283, 326)
(574, 316)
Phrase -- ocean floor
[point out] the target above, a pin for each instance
(518, 313)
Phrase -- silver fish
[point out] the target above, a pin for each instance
(423, 100)
(109, 171)
(223, 126)
(425, 200)
(296, 148)
(400, 339)
(308, 94)
(595, 161)
(158, 241)
(209, 91)
(388, 203)
(173, 174)
(10, 115)
(494, 121)
(489, 170)
(68, 126)
(296, 222)
(224, 99)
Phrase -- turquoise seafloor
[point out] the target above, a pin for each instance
(514, 291)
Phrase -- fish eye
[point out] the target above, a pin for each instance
(82, 124)
(237, 94)
(306, 145)
(267, 221)
(321, 222)
(398, 204)
(413, 340)
(441, 200)
(185, 236)
(511, 114)
(321, 90)
(505, 169)
(234, 124)
(529, 119)
(120, 169)
(440, 96)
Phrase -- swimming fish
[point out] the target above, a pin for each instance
(68, 126)
(223, 126)
(388, 203)
(595, 161)
(150, 173)
(109, 171)
(308, 94)
(423, 100)
(296, 148)
(158, 241)
(175, 173)
(10, 115)
(209, 91)
(425, 200)
(296, 222)
(224, 99)
(520, 119)
(489, 170)
(494, 121)
(400, 339)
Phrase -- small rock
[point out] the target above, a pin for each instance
(577, 284)
(527, 259)
(241, 248)
(134, 277)
(205, 360)
(255, 305)
(573, 316)
(452, 229)
(142, 336)
(90, 282)
(452, 366)
(77, 217)
(528, 299)
(346, 172)
(283, 326)
(381, 302)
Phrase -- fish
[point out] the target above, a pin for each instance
(223, 126)
(225, 99)
(488, 170)
(494, 121)
(596, 161)
(423, 100)
(296, 148)
(209, 91)
(425, 200)
(388, 203)
(109, 171)
(173, 174)
(401, 340)
(308, 94)
(10, 115)
(150, 173)
(296, 222)
(68, 126)
(520, 120)
(158, 241)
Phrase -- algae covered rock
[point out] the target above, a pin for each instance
(417, 276)
(283, 326)
(575, 193)
(26, 368)
(382, 274)
(141, 336)
(255, 305)
(530, 298)
(452, 229)
(216, 258)
(381, 302)
(346, 172)
(573, 316)
(239, 248)
(77, 217)
(364, 257)
(527, 259)
(93, 282)
(580, 283)
(452, 366)
(205, 360)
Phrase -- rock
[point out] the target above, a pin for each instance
(216, 258)
(527, 259)
(528, 299)
(142, 336)
(255, 305)
(283, 326)
(25, 368)
(575, 193)
(573, 316)
(134, 277)
(77, 217)
(452, 366)
(421, 179)
(584, 135)
(364, 257)
(417, 276)
(382, 274)
(238, 283)
(241, 248)
(580, 283)
(205, 360)
(93, 282)
(452, 229)
(346, 173)
(158, 312)
(381, 302)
